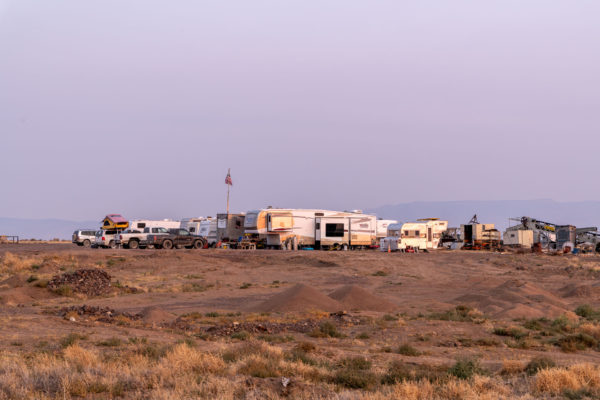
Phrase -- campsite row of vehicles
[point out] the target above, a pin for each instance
(267, 228)
(316, 229)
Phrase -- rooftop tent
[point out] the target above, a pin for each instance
(114, 221)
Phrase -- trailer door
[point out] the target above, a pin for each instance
(317, 233)
(430, 237)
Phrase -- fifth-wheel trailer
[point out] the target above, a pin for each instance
(278, 228)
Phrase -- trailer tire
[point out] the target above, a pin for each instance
(167, 244)
(133, 244)
(86, 243)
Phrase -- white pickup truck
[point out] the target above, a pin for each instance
(133, 239)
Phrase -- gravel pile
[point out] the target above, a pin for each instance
(104, 314)
(91, 282)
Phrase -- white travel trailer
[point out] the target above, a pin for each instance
(140, 224)
(208, 230)
(192, 224)
(278, 228)
(382, 227)
(425, 234)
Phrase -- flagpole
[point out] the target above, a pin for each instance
(228, 186)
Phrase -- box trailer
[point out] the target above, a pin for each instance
(518, 238)
(230, 227)
(480, 236)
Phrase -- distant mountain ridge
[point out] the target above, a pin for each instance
(45, 229)
(582, 213)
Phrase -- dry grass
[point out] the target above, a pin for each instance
(511, 367)
(11, 264)
(556, 381)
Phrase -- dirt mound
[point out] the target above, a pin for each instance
(14, 281)
(354, 297)
(23, 295)
(155, 315)
(574, 290)
(516, 299)
(299, 298)
(91, 282)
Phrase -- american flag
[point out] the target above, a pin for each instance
(228, 180)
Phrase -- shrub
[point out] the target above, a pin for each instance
(389, 317)
(326, 329)
(513, 332)
(536, 324)
(71, 339)
(260, 367)
(32, 278)
(355, 373)
(408, 350)
(241, 335)
(245, 285)
(539, 363)
(212, 314)
(363, 335)
(572, 343)
(586, 311)
(465, 369)
(460, 313)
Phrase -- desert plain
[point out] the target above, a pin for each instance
(233, 324)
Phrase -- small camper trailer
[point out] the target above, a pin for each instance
(425, 234)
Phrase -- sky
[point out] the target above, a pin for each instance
(139, 107)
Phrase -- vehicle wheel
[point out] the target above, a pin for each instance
(111, 244)
(86, 243)
(133, 244)
(198, 244)
(167, 244)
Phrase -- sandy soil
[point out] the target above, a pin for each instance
(400, 295)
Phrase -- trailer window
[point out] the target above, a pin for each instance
(334, 230)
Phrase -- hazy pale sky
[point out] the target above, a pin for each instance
(139, 107)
